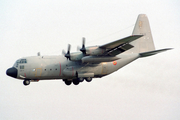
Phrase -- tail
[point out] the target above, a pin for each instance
(145, 43)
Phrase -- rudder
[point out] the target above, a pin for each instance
(145, 43)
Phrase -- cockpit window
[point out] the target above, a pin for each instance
(21, 61)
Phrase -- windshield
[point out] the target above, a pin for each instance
(20, 61)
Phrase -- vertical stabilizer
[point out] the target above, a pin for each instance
(145, 43)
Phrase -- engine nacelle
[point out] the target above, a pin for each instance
(97, 59)
(92, 51)
(76, 56)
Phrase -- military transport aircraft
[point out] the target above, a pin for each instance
(89, 62)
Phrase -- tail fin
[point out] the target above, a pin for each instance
(145, 43)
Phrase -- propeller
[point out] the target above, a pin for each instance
(83, 49)
(67, 55)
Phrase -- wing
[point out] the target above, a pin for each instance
(120, 45)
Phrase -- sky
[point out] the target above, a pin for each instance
(146, 89)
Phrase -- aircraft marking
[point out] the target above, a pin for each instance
(114, 63)
(38, 72)
(140, 24)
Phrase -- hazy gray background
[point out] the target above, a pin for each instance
(146, 89)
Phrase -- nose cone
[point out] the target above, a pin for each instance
(12, 72)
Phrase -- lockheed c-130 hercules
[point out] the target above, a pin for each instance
(89, 62)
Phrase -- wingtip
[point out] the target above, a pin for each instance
(169, 48)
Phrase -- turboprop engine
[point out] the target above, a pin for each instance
(76, 56)
(93, 51)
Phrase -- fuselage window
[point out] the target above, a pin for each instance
(21, 66)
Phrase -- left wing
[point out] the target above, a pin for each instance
(120, 45)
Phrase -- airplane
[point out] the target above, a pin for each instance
(88, 62)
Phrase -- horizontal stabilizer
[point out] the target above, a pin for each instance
(146, 54)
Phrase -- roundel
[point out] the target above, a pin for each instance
(114, 62)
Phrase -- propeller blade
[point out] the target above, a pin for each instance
(69, 47)
(83, 49)
(67, 55)
(83, 41)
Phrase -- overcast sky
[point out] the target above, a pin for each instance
(146, 89)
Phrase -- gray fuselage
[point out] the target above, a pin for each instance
(58, 67)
